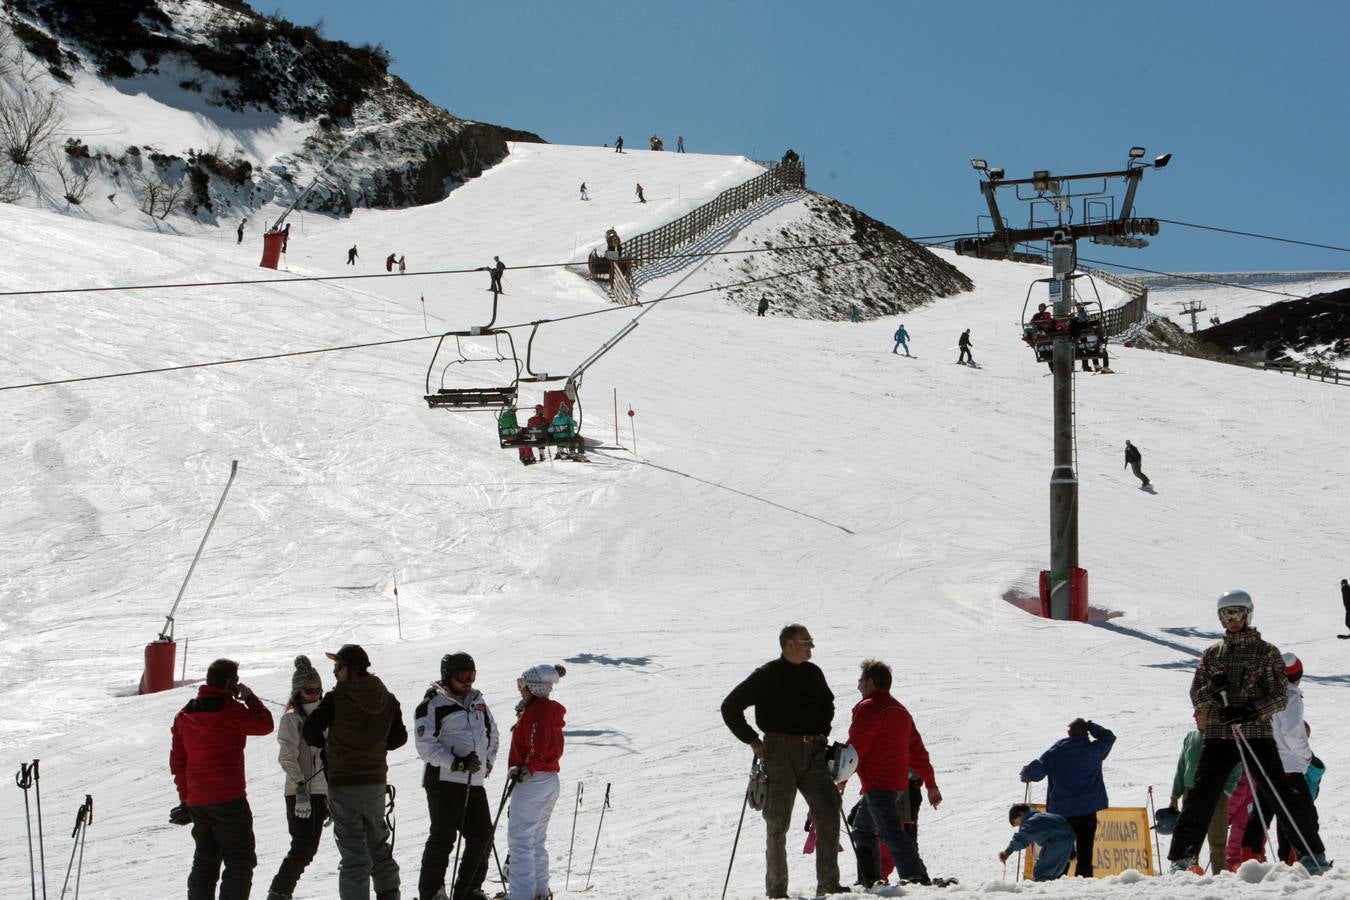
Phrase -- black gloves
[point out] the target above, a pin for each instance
(1237, 713)
(179, 815)
(468, 764)
(1218, 682)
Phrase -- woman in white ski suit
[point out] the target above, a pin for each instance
(536, 748)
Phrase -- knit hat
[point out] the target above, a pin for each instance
(1293, 667)
(540, 679)
(304, 674)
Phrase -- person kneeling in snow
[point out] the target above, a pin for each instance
(1048, 831)
(536, 749)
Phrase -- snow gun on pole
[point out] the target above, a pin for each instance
(160, 653)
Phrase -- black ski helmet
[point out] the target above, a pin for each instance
(453, 663)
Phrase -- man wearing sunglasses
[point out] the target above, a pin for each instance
(794, 707)
(457, 737)
(1238, 685)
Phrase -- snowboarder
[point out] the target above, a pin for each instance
(1238, 685)
(679, 143)
(207, 761)
(536, 749)
(888, 746)
(497, 269)
(638, 191)
(402, 264)
(1291, 738)
(358, 722)
(306, 789)
(764, 307)
(1134, 460)
(965, 344)
(351, 256)
(584, 195)
(1077, 792)
(389, 262)
(240, 232)
(794, 708)
(618, 144)
(457, 738)
(1046, 830)
(901, 340)
(1184, 780)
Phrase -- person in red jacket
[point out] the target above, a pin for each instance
(207, 761)
(889, 747)
(536, 748)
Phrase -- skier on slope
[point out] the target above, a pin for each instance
(901, 339)
(1291, 737)
(1077, 792)
(1345, 600)
(1238, 685)
(888, 746)
(306, 790)
(536, 749)
(965, 344)
(1134, 460)
(457, 738)
(351, 256)
(498, 267)
(207, 761)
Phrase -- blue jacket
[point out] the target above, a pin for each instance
(901, 334)
(1074, 766)
(1040, 828)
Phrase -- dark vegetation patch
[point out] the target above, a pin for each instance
(1318, 322)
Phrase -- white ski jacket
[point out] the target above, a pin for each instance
(447, 727)
(298, 759)
(1291, 736)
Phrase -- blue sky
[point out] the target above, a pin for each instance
(888, 101)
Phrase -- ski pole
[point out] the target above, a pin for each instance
(604, 806)
(744, 803)
(492, 838)
(82, 820)
(459, 832)
(1153, 811)
(567, 880)
(42, 852)
(24, 780)
(1278, 799)
(1017, 872)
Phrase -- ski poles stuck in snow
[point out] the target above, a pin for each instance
(83, 818)
(27, 777)
(604, 806)
(572, 842)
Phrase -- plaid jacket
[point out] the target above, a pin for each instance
(1256, 676)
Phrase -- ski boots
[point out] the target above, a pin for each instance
(1186, 864)
(1316, 864)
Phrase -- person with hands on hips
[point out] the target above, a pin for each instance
(536, 751)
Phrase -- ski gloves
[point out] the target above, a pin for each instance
(1237, 713)
(179, 815)
(303, 808)
(519, 773)
(468, 764)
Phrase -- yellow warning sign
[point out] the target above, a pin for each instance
(1123, 842)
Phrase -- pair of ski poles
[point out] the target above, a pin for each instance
(572, 842)
(29, 777)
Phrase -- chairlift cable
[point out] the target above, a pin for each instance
(1251, 234)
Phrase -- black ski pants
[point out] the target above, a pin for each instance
(305, 837)
(1217, 758)
(452, 816)
(1085, 838)
(223, 833)
(1254, 836)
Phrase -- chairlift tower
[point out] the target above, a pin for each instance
(1192, 308)
(1055, 195)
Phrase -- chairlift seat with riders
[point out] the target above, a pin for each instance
(1089, 337)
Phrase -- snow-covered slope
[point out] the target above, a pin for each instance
(786, 470)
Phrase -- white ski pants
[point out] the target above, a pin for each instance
(527, 835)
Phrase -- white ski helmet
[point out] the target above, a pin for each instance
(842, 761)
(1236, 598)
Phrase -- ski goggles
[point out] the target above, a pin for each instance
(465, 677)
(1233, 614)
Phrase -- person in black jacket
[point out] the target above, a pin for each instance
(1134, 460)
(793, 708)
(965, 344)
(1345, 599)
(358, 723)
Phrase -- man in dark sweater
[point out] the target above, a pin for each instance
(358, 723)
(793, 708)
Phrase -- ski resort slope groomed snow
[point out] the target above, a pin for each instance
(782, 470)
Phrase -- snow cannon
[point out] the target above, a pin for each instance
(273, 241)
(1078, 594)
(162, 652)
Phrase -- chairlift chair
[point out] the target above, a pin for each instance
(446, 386)
(1089, 339)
